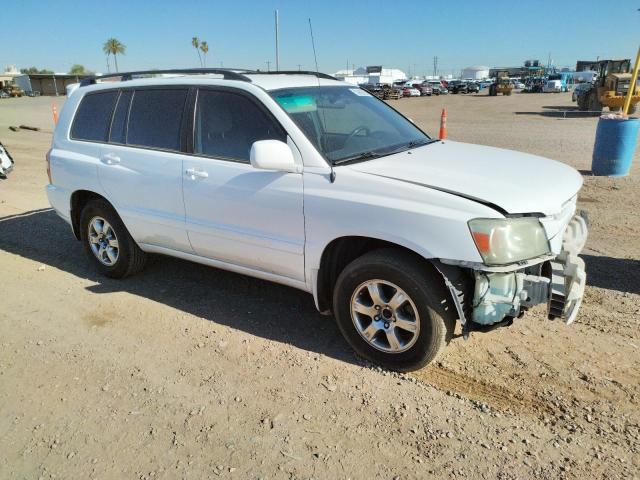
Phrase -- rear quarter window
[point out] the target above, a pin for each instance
(93, 117)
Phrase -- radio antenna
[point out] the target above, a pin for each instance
(313, 44)
(332, 175)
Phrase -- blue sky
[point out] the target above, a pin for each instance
(58, 33)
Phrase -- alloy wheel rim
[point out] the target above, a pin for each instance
(103, 241)
(385, 316)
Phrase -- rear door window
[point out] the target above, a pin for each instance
(155, 118)
(93, 117)
(119, 123)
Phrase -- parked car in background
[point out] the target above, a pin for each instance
(580, 89)
(411, 92)
(374, 89)
(552, 86)
(4, 94)
(32, 93)
(473, 87)
(457, 86)
(425, 89)
(437, 88)
(518, 85)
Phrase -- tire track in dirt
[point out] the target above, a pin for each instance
(496, 396)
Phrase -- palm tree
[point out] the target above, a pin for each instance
(195, 41)
(205, 49)
(113, 46)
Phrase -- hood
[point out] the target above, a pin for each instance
(511, 182)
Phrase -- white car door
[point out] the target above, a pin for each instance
(141, 167)
(236, 213)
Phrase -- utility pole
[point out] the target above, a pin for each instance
(299, 67)
(268, 66)
(277, 43)
(435, 67)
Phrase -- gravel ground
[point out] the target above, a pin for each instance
(190, 372)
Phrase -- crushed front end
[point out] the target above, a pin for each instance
(489, 295)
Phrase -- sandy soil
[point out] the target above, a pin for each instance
(189, 372)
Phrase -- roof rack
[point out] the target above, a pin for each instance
(227, 74)
(292, 72)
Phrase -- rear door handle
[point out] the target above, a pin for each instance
(110, 159)
(193, 173)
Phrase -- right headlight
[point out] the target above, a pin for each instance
(502, 241)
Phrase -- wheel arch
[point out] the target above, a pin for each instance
(78, 200)
(341, 251)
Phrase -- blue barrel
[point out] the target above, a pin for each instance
(616, 142)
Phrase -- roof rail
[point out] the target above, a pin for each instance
(292, 72)
(227, 74)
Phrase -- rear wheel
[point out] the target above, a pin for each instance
(393, 309)
(107, 242)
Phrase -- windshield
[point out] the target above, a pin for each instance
(347, 123)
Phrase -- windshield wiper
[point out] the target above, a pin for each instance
(358, 157)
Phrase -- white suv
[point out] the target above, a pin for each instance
(307, 181)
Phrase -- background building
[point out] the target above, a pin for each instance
(47, 83)
(476, 72)
(372, 74)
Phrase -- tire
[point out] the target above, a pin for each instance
(594, 103)
(583, 106)
(127, 258)
(426, 298)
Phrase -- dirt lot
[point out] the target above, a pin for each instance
(190, 372)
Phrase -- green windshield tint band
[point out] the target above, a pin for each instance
(297, 103)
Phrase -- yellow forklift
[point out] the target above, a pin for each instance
(501, 85)
(610, 88)
(13, 90)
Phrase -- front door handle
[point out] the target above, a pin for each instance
(193, 173)
(110, 159)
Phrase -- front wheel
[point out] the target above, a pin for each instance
(107, 242)
(393, 309)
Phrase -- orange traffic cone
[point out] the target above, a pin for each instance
(55, 113)
(443, 124)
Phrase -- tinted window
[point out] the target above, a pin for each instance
(227, 124)
(94, 117)
(119, 123)
(155, 118)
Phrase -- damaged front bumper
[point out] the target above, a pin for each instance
(501, 294)
(559, 282)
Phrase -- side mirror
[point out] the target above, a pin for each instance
(272, 155)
